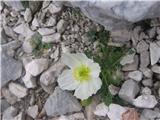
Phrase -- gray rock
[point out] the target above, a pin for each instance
(113, 89)
(129, 90)
(135, 75)
(150, 114)
(10, 98)
(33, 111)
(46, 31)
(61, 26)
(145, 101)
(4, 105)
(53, 38)
(146, 91)
(50, 22)
(11, 69)
(9, 32)
(147, 82)
(156, 69)
(152, 32)
(35, 22)
(27, 47)
(146, 72)
(61, 102)
(17, 89)
(9, 113)
(101, 110)
(3, 37)
(144, 59)
(27, 15)
(48, 89)
(37, 66)
(128, 59)
(54, 8)
(154, 53)
(20, 116)
(35, 6)
(142, 46)
(16, 5)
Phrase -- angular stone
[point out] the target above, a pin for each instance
(128, 59)
(101, 110)
(145, 101)
(129, 90)
(48, 89)
(28, 15)
(15, 5)
(150, 114)
(54, 9)
(9, 32)
(51, 22)
(61, 102)
(146, 91)
(61, 26)
(29, 81)
(9, 113)
(27, 47)
(46, 31)
(135, 75)
(154, 53)
(4, 105)
(33, 111)
(50, 76)
(144, 59)
(36, 66)
(113, 89)
(17, 89)
(147, 82)
(156, 69)
(11, 69)
(152, 32)
(53, 38)
(10, 98)
(146, 72)
(35, 22)
(142, 46)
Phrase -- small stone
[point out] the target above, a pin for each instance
(55, 55)
(115, 112)
(152, 32)
(144, 59)
(29, 81)
(48, 89)
(156, 69)
(9, 113)
(64, 99)
(4, 105)
(23, 29)
(61, 26)
(76, 116)
(33, 111)
(28, 15)
(51, 22)
(142, 46)
(27, 47)
(20, 116)
(113, 89)
(147, 82)
(9, 32)
(128, 59)
(129, 90)
(10, 98)
(145, 101)
(15, 5)
(50, 76)
(46, 31)
(146, 72)
(135, 75)
(11, 69)
(54, 38)
(146, 91)
(150, 114)
(36, 66)
(53, 9)
(35, 22)
(17, 90)
(101, 110)
(154, 53)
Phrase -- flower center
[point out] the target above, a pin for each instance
(81, 73)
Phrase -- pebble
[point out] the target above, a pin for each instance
(147, 82)
(145, 101)
(156, 69)
(4, 105)
(113, 89)
(51, 22)
(46, 31)
(53, 38)
(150, 114)
(28, 15)
(61, 26)
(146, 72)
(101, 110)
(144, 59)
(64, 99)
(9, 32)
(29, 81)
(32, 111)
(128, 59)
(17, 89)
(154, 53)
(135, 75)
(48, 89)
(9, 113)
(37, 66)
(27, 47)
(129, 90)
(35, 22)
(146, 91)
(142, 46)
(53, 9)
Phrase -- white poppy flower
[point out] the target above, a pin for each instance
(83, 75)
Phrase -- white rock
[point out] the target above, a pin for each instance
(15, 5)
(146, 91)
(128, 59)
(101, 110)
(146, 72)
(33, 111)
(37, 66)
(115, 112)
(150, 114)
(55, 55)
(61, 26)
(147, 82)
(135, 75)
(65, 49)
(28, 15)
(54, 9)
(51, 22)
(54, 38)
(156, 69)
(145, 101)
(75, 116)
(18, 90)
(46, 31)
(20, 116)
(29, 81)
(154, 53)
(113, 89)
(35, 22)
(9, 113)
(142, 46)
(27, 47)
(24, 30)
(129, 90)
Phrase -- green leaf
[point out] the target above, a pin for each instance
(86, 102)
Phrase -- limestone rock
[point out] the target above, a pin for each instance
(156, 69)
(53, 38)
(46, 31)
(54, 9)
(144, 59)
(9, 113)
(145, 101)
(61, 26)
(147, 82)
(37, 66)
(135, 75)
(17, 89)
(129, 90)
(101, 110)
(113, 89)
(33, 111)
(142, 46)
(150, 114)
(146, 72)
(28, 15)
(128, 59)
(29, 81)
(146, 91)
(61, 102)
(4, 105)
(154, 53)
(16, 5)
